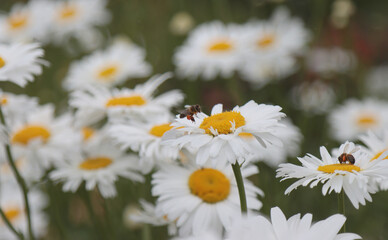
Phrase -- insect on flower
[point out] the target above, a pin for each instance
(190, 111)
(348, 157)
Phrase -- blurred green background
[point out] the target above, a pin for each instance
(146, 22)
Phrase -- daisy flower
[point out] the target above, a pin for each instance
(274, 155)
(26, 23)
(71, 17)
(211, 49)
(353, 179)
(355, 117)
(294, 228)
(202, 198)
(43, 139)
(314, 97)
(94, 103)
(99, 165)
(227, 136)
(145, 138)
(16, 106)
(20, 62)
(149, 215)
(12, 203)
(110, 67)
(376, 145)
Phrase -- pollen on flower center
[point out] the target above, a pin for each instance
(135, 100)
(159, 130)
(31, 132)
(220, 46)
(366, 121)
(12, 213)
(108, 72)
(17, 21)
(209, 184)
(87, 133)
(222, 122)
(95, 163)
(338, 167)
(68, 12)
(245, 135)
(379, 154)
(266, 41)
(2, 62)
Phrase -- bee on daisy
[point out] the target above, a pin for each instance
(19, 63)
(99, 165)
(294, 228)
(139, 103)
(202, 198)
(227, 136)
(351, 174)
(355, 117)
(121, 61)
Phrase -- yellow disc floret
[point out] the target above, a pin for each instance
(266, 41)
(2, 62)
(159, 130)
(209, 184)
(12, 213)
(222, 122)
(366, 121)
(95, 163)
(379, 154)
(134, 100)
(220, 46)
(30, 132)
(339, 167)
(108, 72)
(17, 21)
(67, 12)
(87, 133)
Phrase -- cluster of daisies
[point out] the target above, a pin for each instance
(199, 163)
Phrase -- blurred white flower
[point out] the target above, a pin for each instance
(210, 50)
(329, 61)
(202, 198)
(95, 103)
(121, 61)
(294, 228)
(12, 203)
(353, 179)
(358, 116)
(16, 107)
(181, 23)
(73, 17)
(99, 165)
(20, 62)
(229, 137)
(27, 23)
(314, 97)
(376, 82)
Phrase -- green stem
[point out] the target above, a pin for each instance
(146, 232)
(240, 185)
(109, 221)
(88, 202)
(19, 179)
(10, 226)
(341, 208)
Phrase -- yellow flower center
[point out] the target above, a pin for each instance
(17, 21)
(159, 130)
(340, 167)
(12, 213)
(108, 72)
(379, 154)
(222, 122)
(266, 41)
(95, 163)
(87, 133)
(3, 100)
(67, 12)
(31, 132)
(135, 100)
(209, 184)
(366, 121)
(246, 135)
(220, 46)
(2, 62)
